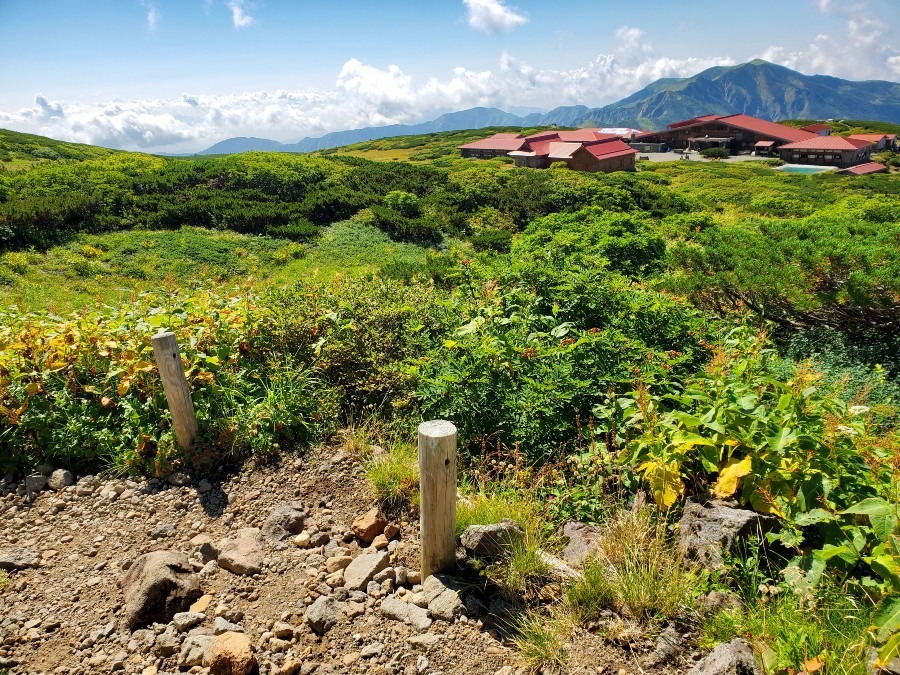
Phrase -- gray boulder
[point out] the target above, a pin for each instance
(60, 479)
(363, 569)
(157, 586)
(442, 596)
(323, 614)
(19, 559)
(241, 556)
(285, 520)
(581, 540)
(195, 650)
(707, 531)
(394, 608)
(34, 484)
(728, 658)
(491, 541)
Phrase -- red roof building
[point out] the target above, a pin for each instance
(819, 129)
(867, 168)
(497, 145)
(827, 151)
(881, 141)
(735, 132)
(598, 152)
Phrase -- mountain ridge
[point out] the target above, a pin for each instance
(757, 88)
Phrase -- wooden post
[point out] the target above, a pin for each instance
(178, 394)
(437, 496)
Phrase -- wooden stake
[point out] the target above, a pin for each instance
(178, 394)
(437, 496)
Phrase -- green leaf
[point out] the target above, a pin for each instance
(813, 517)
(887, 568)
(887, 617)
(883, 525)
(873, 506)
(783, 437)
(888, 651)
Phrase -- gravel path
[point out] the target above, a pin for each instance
(309, 594)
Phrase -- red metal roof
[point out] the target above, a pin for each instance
(827, 143)
(871, 138)
(816, 128)
(693, 120)
(610, 149)
(764, 144)
(869, 167)
(766, 128)
(543, 135)
(495, 143)
(541, 147)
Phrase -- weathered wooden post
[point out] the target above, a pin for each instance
(437, 495)
(178, 394)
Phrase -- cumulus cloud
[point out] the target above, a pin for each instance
(860, 53)
(239, 16)
(492, 16)
(363, 95)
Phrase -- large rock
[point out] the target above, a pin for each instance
(60, 479)
(195, 651)
(369, 525)
(323, 614)
(442, 596)
(364, 568)
(707, 531)
(241, 556)
(491, 541)
(231, 654)
(34, 484)
(285, 520)
(728, 658)
(157, 586)
(19, 559)
(394, 608)
(581, 541)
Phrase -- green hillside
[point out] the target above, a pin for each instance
(692, 330)
(19, 150)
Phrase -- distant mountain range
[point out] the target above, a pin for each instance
(757, 88)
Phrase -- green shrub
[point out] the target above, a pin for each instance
(492, 240)
(715, 153)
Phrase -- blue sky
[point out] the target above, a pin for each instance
(179, 75)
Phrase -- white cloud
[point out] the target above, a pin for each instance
(492, 16)
(859, 54)
(239, 16)
(363, 95)
(152, 16)
(894, 64)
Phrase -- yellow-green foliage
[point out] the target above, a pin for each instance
(394, 474)
(635, 569)
(540, 640)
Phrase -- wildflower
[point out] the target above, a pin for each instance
(847, 431)
(858, 409)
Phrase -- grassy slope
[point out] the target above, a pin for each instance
(108, 268)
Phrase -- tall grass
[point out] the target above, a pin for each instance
(637, 571)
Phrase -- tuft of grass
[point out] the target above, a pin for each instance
(523, 573)
(787, 632)
(485, 508)
(585, 598)
(541, 640)
(637, 571)
(4, 579)
(394, 475)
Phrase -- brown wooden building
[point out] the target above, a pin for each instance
(736, 132)
(827, 151)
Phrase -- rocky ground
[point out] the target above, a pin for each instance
(276, 570)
